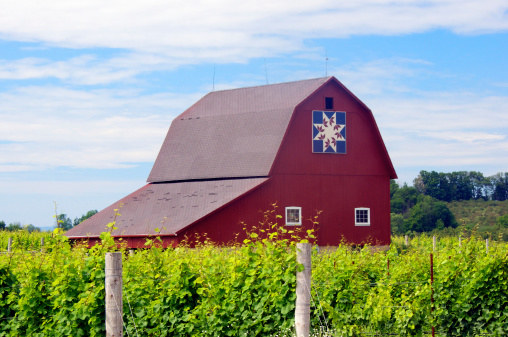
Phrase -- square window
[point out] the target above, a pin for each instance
(362, 216)
(329, 103)
(293, 216)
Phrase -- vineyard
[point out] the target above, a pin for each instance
(249, 290)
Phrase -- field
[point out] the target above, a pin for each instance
(249, 290)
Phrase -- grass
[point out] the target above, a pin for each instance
(479, 213)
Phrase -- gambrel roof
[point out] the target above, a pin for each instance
(230, 133)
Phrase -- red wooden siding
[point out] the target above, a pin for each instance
(330, 194)
(364, 147)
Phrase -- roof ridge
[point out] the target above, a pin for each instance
(324, 78)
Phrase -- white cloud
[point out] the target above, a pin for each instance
(445, 130)
(232, 31)
(377, 77)
(51, 126)
(466, 137)
(156, 35)
(85, 69)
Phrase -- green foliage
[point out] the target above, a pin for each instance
(471, 290)
(393, 187)
(2, 225)
(481, 213)
(403, 199)
(397, 223)
(476, 201)
(361, 295)
(463, 185)
(503, 220)
(23, 240)
(212, 291)
(437, 185)
(88, 214)
(7, 309)
(427, 214)
(415, 212)
(499, 184)
(12, 227)
(31, 228)
(249, 290)
(63, 222)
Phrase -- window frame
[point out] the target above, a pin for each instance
(289, 223)
(357, 209)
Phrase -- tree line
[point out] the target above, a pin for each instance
(462, 185)
(422, 207)
(62, 221)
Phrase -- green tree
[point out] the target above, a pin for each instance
(425, 215)
(397, 223)
(403, 199)
(500, 186)
(393, 187)
(479, 183)
(419, 185)
(88, 214)
(2, 225)
(440, 224)
(437, 185)
(31, 228)
(63, 222)
(461, 185)
(15, 226)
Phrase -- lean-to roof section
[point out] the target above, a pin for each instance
(168, 207)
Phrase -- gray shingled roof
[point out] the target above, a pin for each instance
(169, 207)
(230, 133)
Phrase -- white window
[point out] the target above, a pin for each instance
(293, 216)
(362, 216)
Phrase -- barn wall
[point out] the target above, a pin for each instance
(335, 184)
(364, 148)
(328, 194)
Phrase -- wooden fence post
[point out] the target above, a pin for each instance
(9, 246)
(487, 245)
(432, 289)
(434, 243)
(42, 244)
(302, 310)
(114, 303)
(406, 239)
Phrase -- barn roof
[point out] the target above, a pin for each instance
(239, 132)
(170, 207)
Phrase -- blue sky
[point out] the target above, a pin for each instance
(88, 89)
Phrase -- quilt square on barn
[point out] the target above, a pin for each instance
(328, 132)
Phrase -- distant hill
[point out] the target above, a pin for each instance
(478, 212)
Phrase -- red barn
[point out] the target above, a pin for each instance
(307, 146)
